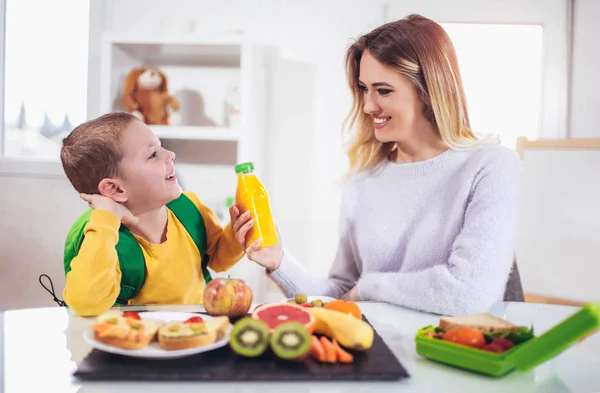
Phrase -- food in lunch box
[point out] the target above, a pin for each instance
(347, 330)
(465, 336)
(177, 335)
(485, 322)
(124, 330)
(290, 341)
(249, 337)
(275, 314)
(483, 331)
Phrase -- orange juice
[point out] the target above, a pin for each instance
(252, 195)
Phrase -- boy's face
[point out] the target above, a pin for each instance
(147, 172)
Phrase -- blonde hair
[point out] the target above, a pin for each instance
(92, 151)
(420, 49)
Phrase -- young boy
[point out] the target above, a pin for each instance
(144, 241)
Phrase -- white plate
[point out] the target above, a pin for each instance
(309, 299)
(153, 351)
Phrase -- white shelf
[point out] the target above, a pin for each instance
(201, 71)
(170, 39)
(185, 50)
(196, 133)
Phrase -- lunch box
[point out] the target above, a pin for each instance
(522, 357)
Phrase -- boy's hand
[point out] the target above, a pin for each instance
(268, 257)
(97, 201)
(351, 295)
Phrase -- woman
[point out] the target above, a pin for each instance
(428, 214)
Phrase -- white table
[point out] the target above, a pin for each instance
(43, 346)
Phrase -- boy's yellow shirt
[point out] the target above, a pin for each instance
(173, 268)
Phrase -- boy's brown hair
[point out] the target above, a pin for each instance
(92, 151)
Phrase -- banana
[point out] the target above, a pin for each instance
(348, 331)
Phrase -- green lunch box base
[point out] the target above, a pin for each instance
(522, 357)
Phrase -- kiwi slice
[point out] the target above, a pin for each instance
(249, 337)
(290, 340)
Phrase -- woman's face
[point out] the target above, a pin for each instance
(391, 100)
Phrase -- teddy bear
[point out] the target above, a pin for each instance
(146, 96)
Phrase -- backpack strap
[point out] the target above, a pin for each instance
(187, 213)
(132, 264)
(74, 239)
(131, 258)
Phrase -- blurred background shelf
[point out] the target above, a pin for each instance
(179, 49)
(198, 133)
(204, 73)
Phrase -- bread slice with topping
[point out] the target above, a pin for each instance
(484, 322)
(178, 335)
(112, 328)
(219, 325)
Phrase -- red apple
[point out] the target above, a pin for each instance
(227, 296)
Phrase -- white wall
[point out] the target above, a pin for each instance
(586, 78)
(36, 215)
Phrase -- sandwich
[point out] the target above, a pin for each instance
(127, 331)
(484, 322)
(178, 335)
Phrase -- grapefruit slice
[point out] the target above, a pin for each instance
(278, 313)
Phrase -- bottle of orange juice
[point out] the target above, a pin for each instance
(251, 195)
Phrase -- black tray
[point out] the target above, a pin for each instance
(378, 363)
